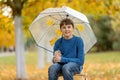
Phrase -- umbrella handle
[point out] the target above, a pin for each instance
(45, 48)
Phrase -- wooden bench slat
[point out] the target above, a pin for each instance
(84, 76)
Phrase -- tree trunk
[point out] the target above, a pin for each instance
(41, 53)
(20, 60)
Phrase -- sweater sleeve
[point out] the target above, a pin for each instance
(56, 46)
(80, 51)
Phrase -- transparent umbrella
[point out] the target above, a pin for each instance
(45, 28)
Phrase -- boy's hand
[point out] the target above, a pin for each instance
(57, 56)
(57, 53)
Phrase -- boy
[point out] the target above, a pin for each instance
(68, 55)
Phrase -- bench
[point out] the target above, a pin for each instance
(82, 76)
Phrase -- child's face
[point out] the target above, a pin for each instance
(67, 30)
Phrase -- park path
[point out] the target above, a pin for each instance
(2, 54)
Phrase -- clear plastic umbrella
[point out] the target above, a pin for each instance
(45, 28)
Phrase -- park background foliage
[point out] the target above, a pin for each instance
(104, 17)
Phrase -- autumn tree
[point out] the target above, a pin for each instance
(6, 31)
(116, 28)
(17, 6)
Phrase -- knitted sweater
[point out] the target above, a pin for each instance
(72, 50)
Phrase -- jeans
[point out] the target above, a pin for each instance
(67, 70)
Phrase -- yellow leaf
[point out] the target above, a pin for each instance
(49, 22)
(58, 32)
(52, 41)
(80, 27)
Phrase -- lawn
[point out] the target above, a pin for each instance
(103, 66)
(98, 66)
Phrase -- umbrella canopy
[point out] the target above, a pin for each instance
(45, 28)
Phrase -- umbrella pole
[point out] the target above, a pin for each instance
(45, 49)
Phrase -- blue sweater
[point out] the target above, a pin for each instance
(72, 50)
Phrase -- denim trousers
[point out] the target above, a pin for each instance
(67, 70)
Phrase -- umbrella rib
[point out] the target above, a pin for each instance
(42, 37)
(77, 22)
(45, 32)
(78, 31)
(54, 18)
(45, 48)
(60, 16)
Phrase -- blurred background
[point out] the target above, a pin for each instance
(102, 62)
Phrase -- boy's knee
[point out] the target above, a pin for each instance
(51, 68)
(66, 69)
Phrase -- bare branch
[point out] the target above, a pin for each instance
(10, 3)
(23, 1)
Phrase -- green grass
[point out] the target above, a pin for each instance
(6, 60)
(94, 65)
(101, 57)
(30, 58)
